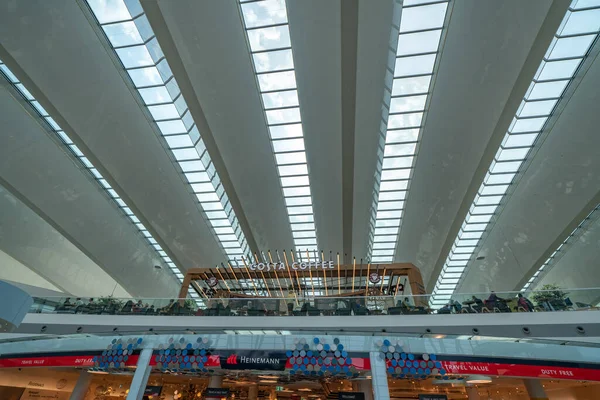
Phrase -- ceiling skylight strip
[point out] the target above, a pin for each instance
(419, 38)
(267, 30)
(569, 48)
(549, 263)
(64, 138)
(131, 37)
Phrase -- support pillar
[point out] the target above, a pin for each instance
(82, 386)
(140, 378)
(535, 390)
(379, 377)
(472, 393)
(253, 392)
(215, 381)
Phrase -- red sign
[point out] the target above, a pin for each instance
(521, 370)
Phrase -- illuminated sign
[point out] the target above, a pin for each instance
(279, 266)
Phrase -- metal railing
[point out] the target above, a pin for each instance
(501, 302)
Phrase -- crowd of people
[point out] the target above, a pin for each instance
(321, 306)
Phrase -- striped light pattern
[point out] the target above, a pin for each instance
(268, 34)
(421, 27)
(133, 41)
(64, 138)
(569, 48)
(577, 232)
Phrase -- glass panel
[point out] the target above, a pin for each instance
(165, 111)
(393, 174)
(390, 205)
(415, 65)
(393, 185)
(273, 61)
(571, 47)
(547, 90)
(405, 86)
(580, 22)
(145, 76)
(123, 34)
(155, 95)
(171, 127)
(288, 170)
(512, 154)
(285, 131)
(425, 17)
(400, 149)
(397, 162)
(288, 145)
(528, 125)
(109, 10)
(298, 201)
(135, 57)
(176, 141)
(385, 196)
(558, 69)
(536, 108)
(283, 116)
(504, 167)
(420, 42)
(280, 99)
(493, 190)
(296, 191)
(277, 81)
(407, 104)
(402, 135)
(185, 154)
(295, 181)
(405, 120)
(275, 37)
(261, 13)
(291, 158)
(520, 140)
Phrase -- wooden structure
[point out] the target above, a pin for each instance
(334, 281)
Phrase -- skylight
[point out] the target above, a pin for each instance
(268, 34)
(133, 41)
(405, 102)
(103, 183)
(577, 232)
(569, 48)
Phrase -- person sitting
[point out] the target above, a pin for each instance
(524, 303)
(493, 302)
(79, 302)
(455, 306)
(66, 305)
(446, 309)
(477, 304)
(168, 308)
(138, 307)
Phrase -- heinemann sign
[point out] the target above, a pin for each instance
(259, 360)
(279, 266)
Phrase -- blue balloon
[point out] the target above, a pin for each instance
(386, 342)
(411, 356)
(442, 372)
(432, 357)
(390, 369)
(326, 347)
(394, 363)
(288, 353)
(438, 364)
(403, 356)
(309, 353)
(413, 371)
(316, 340)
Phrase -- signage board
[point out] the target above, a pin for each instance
(37, 394)
(433, 397)
(254, 359)
(279, 266)
(351, 396)
(152, 390)
(216, 392)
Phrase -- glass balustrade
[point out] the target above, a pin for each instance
(501, 302)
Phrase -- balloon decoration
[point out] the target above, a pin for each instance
(116, 354)
(180, 355)
(402, 365)
(318, 358)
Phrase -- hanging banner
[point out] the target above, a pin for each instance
(251, 359)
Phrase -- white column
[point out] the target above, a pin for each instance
(82, 386)
(253, 392)
(472, 393)
(140, 378)
(379, 377)
(215, 381)
(535, 390)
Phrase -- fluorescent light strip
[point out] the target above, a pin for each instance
(569, 48)
(267, 30)
(420, 33)
(64, 138)
(131, 37)
(547, 265)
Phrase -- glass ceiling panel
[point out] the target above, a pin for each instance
(267, 29)
(168, 108)
(516, 147)
(421, 27)
(103, 183)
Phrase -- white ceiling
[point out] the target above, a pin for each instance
(490, 53)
